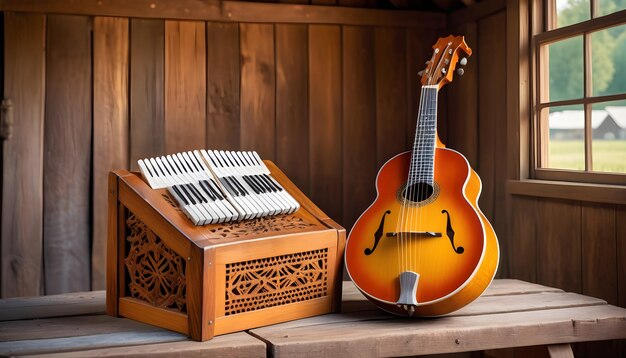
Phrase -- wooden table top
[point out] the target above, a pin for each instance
(511, 313)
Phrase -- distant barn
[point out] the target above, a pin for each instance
(608, 124)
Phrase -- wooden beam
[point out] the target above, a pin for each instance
(610, 194)
(227, 11)
(476, 12)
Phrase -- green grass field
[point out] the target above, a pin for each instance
(608, 155)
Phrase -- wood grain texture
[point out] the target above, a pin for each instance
(419, 44)
(462, 101)
(227, 346)
(110, 127)
(391, 88)
(22, 156)
(325, 122)
(599, 247)
(147, 106)
(524, 233)
(292, 107)
(258, 89)
(223, 128)
(185, 86)
(491, 111)
(621, 255)
(233, 11)
(380, 335)
(67, 304)
(559, 244)
(359, 122)
(67, 149)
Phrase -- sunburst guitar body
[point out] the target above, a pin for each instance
(424, 248)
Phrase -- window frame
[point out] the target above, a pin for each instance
(545, 32)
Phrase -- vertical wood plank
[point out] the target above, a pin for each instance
(67, 149)
(185, 86)
(391, 88)
(462, 102)
(620, 220)
(223, 131)
(110, 127)
(325, 119)
(292, 117)
(22, 160)
(258, 89)
(599, 248)
(419, 44)
(492, 124)
(559, 244)
(523, 234)
(491, 113)
(147, 106)
(359, 122)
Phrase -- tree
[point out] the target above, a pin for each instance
(608, 51)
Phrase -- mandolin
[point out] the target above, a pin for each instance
(424, 248)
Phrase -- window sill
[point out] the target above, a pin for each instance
(599, 193)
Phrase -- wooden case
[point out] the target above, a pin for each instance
(209, 280)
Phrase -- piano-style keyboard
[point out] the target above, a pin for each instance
(218, 186)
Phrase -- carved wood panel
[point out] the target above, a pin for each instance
(273, 281)
(156, 274)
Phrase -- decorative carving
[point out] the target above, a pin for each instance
(273, 281)
(156, 273)
(171, 202)
(260, 226)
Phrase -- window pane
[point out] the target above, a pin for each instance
(570, 12)
(606, 7)
(608, 146)
(566, 69)
(566, 143)
(608, 64)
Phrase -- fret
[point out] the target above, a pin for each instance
(423, 153)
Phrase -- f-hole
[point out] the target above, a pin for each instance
(418, 192)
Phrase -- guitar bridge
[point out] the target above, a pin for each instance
(408, 290)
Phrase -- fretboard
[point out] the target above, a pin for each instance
(423, 153)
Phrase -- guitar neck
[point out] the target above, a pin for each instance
(423, 152)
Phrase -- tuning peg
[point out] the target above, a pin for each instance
(443, 70)
(446, 61)
(463, 61)
(460, 71)
(421, 73)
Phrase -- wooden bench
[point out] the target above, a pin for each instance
(511, 313)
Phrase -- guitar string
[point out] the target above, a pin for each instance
(408, 193)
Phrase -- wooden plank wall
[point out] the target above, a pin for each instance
(573, 245)
(476, 118)
(329, 103)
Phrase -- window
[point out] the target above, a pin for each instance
(580, 93)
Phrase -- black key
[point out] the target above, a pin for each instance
(176, 164)
(252, 185)
(190, 159)
(148, 168)
(241, 188)
(271, 181)
(180, 195)
(205, 188)
(213, 186)
(189, 196)
(262, 183)
(156, 168)
(163, 167)
(226, 185)
(196, 193)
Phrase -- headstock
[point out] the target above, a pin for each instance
(446, 53)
